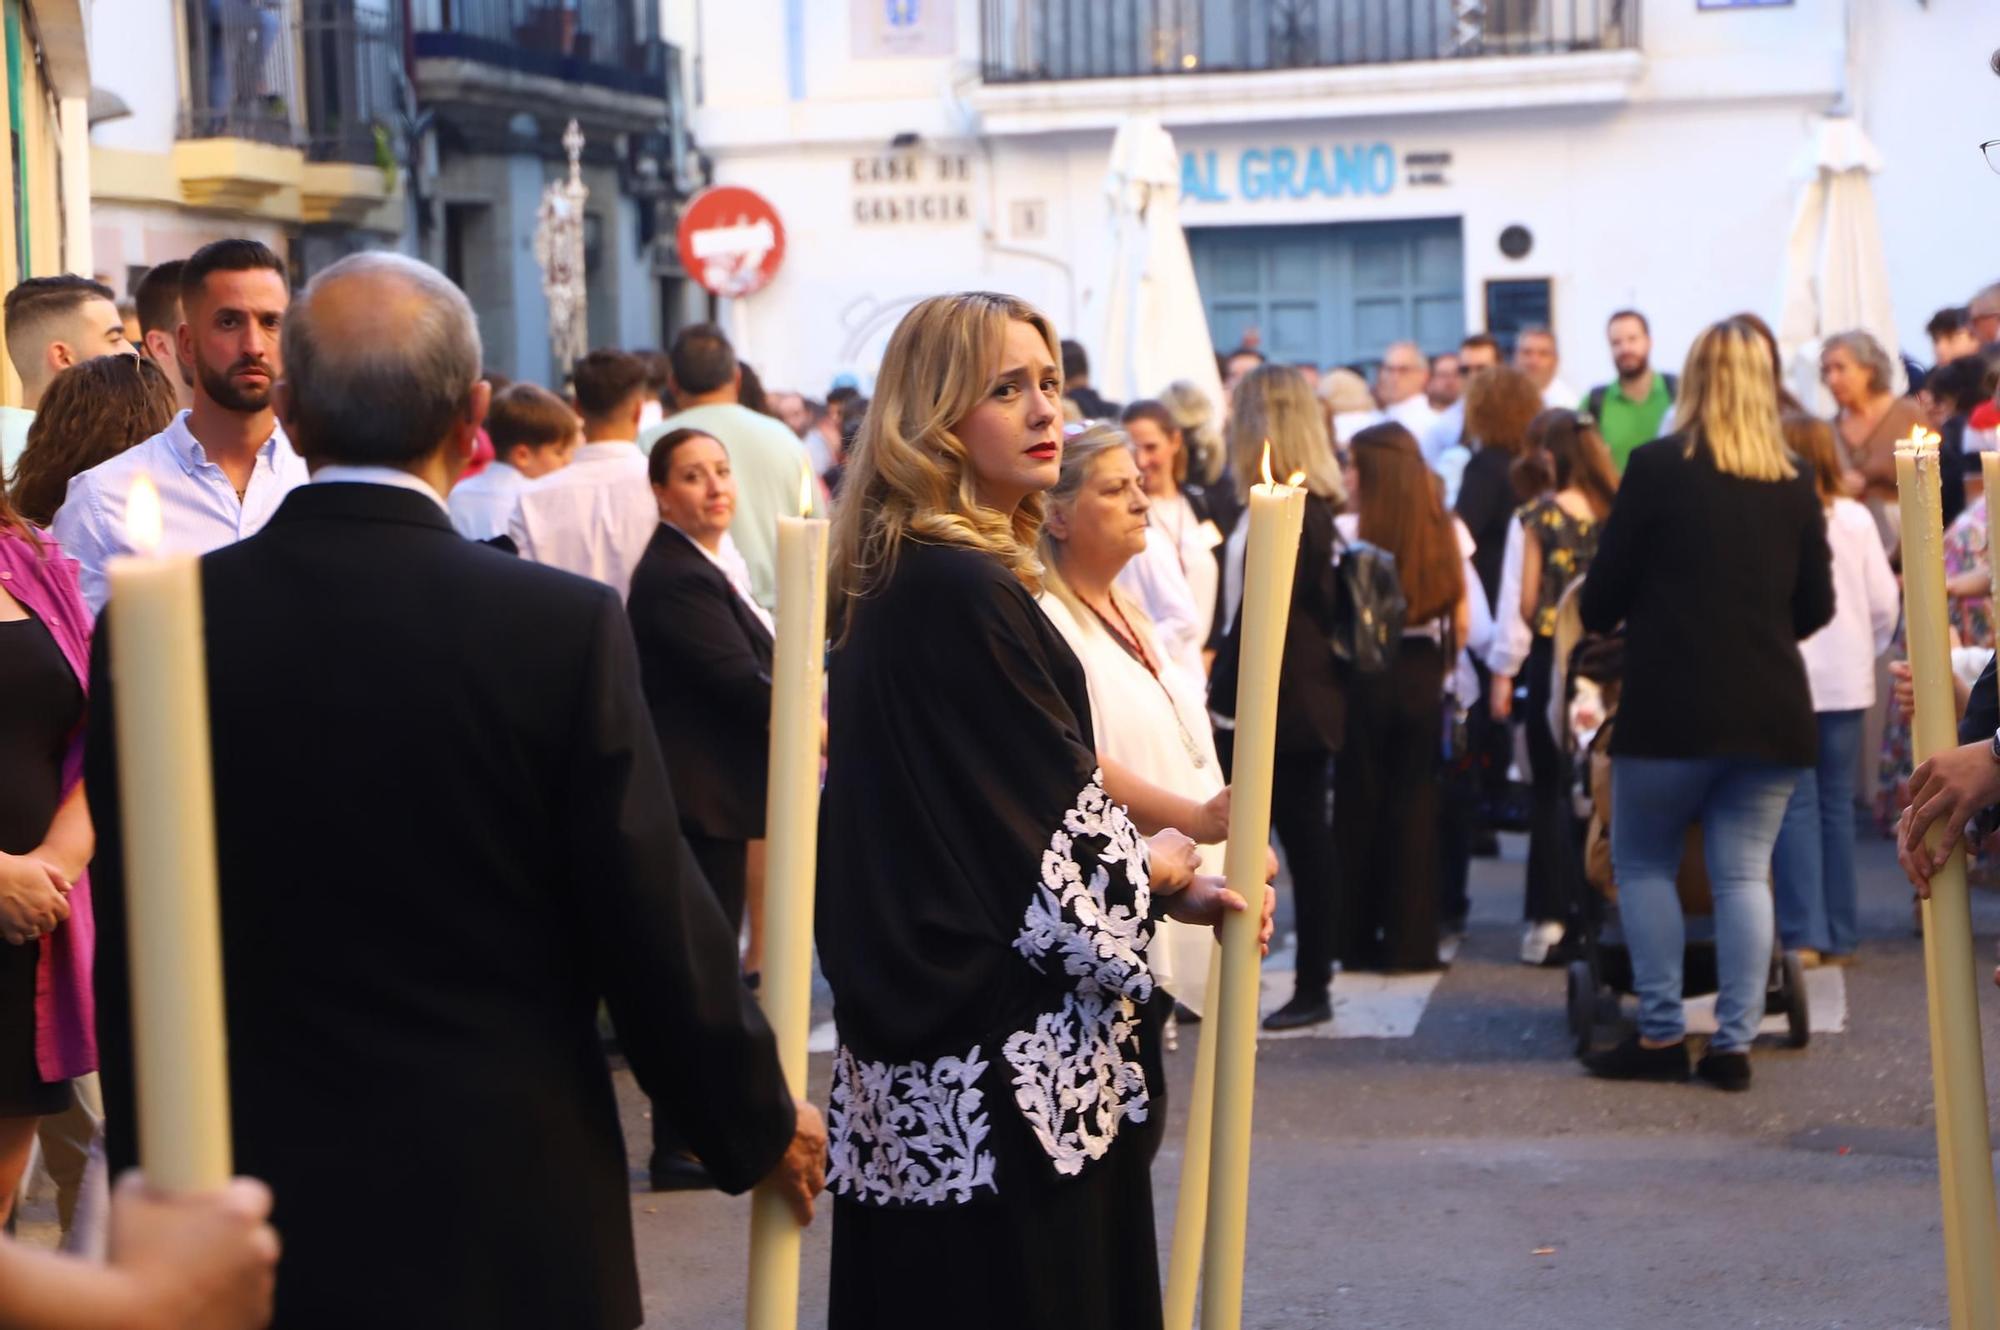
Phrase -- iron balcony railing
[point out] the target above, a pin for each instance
(242, 81)
(1043, 40)
(610, 43)
(353, 78)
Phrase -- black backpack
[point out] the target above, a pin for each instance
(1369, 607)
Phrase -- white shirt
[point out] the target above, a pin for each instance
(1560, 396)
(1414, 414)
(1513, 639)
(1446, 431)
(1155, 729)
(1154, 579)
(594, 517)
(481, 504)
(1347, 424)
(337, 474)
(1840, 658)
(730, 562)
(198, 505)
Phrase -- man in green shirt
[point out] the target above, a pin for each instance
(1631, 411)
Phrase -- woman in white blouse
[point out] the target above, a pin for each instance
(1150, 720)
(1175, 577)
(1813, 864)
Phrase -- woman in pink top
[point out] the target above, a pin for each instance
(46, 1026)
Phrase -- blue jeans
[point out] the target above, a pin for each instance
(1818, 892)
(1739, 805)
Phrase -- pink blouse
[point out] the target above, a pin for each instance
(65, 1011)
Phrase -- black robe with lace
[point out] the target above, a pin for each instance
(983, 921)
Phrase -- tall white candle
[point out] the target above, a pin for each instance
(1958, 1074)
(791, 831)
(1276, 515)
(160, 678)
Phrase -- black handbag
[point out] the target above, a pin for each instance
(1369, 607)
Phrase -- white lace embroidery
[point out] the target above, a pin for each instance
(1076, 1074)
(908, 1133)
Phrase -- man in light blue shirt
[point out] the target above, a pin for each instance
(768, 459)
(53, 323)
(223, 465)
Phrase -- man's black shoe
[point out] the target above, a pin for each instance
(1633, 1061)
(680, 1172)
(1725, 1071)
(1304, 1009)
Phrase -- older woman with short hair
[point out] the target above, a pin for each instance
(1868, 420)
(1153, 735)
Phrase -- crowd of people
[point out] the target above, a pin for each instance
(490, 675)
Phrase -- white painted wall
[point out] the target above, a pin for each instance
(1927, 98)
(132, 47)
(1676, 200)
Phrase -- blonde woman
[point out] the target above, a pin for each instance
(1153, 736)
(985, 907)
(1273, 404)
(1715, 558)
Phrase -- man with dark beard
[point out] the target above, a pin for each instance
(1630, 412)
(223, 465)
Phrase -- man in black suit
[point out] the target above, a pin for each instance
(445, 832)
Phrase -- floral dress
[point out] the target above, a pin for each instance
(1971, 620)
(1568, 544)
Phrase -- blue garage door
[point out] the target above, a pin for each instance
(1333, 295)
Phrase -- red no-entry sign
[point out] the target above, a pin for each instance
(731, 240)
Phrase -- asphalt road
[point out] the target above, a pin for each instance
(1471, 1175)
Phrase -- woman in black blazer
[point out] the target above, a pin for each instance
(1273, 404)
(1715, 558)
(705, 661)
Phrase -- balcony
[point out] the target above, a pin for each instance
(1031, 41)
(609, 45)
(275, 111)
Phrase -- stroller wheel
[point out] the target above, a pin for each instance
(1798, 1016)
(1582, 1006)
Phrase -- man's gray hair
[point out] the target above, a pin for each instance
(384, 380)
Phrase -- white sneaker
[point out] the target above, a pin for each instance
(1538, 939)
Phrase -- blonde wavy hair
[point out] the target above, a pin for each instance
(907, 474)
(1273, 402)
(1729, 404)
(1081, 455)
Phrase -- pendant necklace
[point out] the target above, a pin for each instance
(1129, 640)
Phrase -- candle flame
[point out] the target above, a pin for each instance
(1269, 479)
(1920, 440)
(805, 489)
(1296, 479)
(144, 524)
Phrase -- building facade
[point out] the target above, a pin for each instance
(498, 82)
(45, 194)
(1353, 171)
(274, 119)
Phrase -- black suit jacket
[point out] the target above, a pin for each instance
(705, 661)
(1312, 696)
(444, 833)
(1487, 504)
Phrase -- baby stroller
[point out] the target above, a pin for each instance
(1589, 671)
